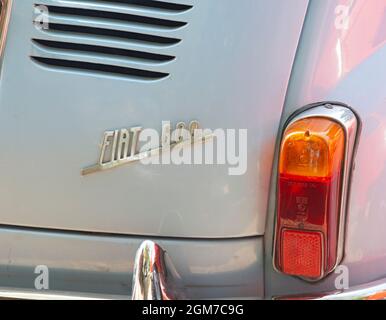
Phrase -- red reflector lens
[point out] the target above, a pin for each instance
(302, 253)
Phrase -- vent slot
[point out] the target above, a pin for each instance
(103, 68)
(104, 50)
(76, 12)
(135, 39)
(153, 4)
(126, 35)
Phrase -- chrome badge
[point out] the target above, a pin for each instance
(119, 147)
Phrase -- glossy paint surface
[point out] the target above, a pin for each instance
(345, 60)
(232, 69)
(104, 264)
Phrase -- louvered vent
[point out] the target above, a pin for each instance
(130, 38)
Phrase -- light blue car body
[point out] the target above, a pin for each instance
(244, 64)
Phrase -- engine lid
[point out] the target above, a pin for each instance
(113, 66)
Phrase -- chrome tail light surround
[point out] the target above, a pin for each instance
(350, 123)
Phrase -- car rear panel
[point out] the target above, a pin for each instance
(229, 69)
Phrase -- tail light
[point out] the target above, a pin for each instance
(315, 160)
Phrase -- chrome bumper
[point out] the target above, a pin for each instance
(155, 278)
(30, 294)
(370, 291)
